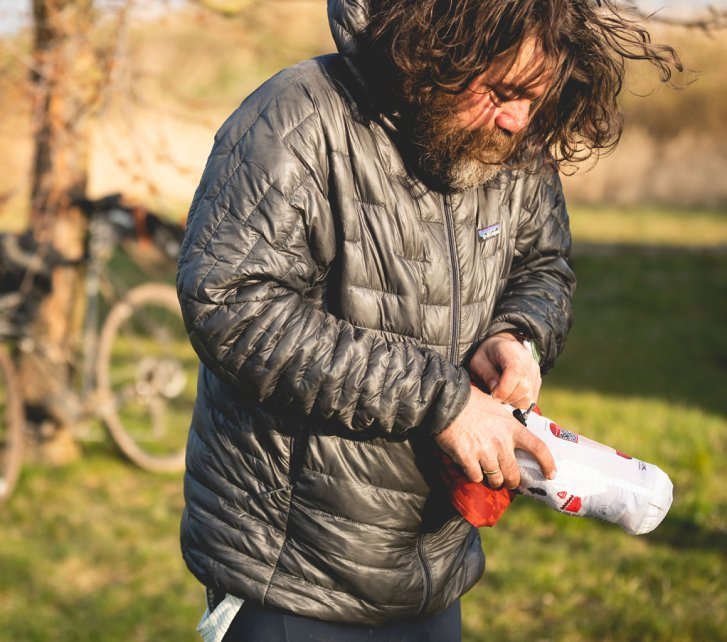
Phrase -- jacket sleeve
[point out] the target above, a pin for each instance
(259, 242)
(537, 298)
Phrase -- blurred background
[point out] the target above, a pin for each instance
(115, 96)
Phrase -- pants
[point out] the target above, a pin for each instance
(253, 624)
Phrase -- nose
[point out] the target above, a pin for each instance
(514, 116)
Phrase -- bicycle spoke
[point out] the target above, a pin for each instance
(150, 377)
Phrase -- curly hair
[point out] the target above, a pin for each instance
(415, 49)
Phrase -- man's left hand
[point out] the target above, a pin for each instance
(508, 369)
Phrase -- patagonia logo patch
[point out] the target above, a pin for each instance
(491, 231)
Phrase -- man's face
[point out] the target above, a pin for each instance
(465, 139)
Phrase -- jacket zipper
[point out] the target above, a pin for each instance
(456, 295)
(427, 574)
(453, 351)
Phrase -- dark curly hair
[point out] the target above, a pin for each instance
(414, 49)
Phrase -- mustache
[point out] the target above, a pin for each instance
(443, 143)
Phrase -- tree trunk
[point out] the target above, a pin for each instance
(62, 81)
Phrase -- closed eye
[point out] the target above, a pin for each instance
(504, 93)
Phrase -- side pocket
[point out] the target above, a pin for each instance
(298, 449)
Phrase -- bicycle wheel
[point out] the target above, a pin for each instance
(11, 426)
(147, 377)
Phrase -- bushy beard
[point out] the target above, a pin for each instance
(459, 158)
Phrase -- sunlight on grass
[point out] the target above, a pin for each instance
(93, 549)
(684, 441)
(90, 552)
(553, 577)
(643, 371)
(645, 226)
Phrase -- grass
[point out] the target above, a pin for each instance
(644, 370)
(606, 226)
(90, 551)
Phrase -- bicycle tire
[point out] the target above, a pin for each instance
(11, 427)
(147, 377)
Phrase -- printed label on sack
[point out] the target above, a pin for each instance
(562, 433)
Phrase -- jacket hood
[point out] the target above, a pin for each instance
(347, 19)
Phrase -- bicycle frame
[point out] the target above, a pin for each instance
(99, 248)
(156, 379)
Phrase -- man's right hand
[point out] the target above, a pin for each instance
(483, 438)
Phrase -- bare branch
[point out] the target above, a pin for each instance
(231, 8)
(9, 45)
(226, 8)
(712, 19)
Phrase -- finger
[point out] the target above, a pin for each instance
(523, 402)
(525, 388)
(473, 471)
(492, 473)
(506, 385)
(516, 390)
(526, 440)
(489, 375)
(510, 471)
(537, 384)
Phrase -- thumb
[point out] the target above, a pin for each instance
(526, 440)
(489, 375)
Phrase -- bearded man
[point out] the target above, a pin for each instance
(376, 260)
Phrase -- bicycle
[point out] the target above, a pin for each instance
(136, 370)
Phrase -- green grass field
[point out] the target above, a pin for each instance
(90, 551)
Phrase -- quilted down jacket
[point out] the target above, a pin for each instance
(332, 299)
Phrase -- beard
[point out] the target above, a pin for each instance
(459, 158)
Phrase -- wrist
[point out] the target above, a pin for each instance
(529, 342)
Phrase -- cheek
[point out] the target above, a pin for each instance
(477, 110)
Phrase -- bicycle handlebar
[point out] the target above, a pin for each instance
(134, 222)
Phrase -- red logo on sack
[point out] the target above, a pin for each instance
(573, 505)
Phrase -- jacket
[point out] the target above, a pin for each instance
(333, 299)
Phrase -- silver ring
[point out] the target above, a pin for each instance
(491, 472)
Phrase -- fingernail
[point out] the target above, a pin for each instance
(492, 384)
(552, 474)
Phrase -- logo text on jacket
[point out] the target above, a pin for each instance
(489, 232)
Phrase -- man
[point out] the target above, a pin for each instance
(376, 260)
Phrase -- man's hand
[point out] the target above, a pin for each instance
(508, 370)
(483, 437)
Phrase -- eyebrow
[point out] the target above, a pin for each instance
(513, 89)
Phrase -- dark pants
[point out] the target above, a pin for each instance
(253, 624)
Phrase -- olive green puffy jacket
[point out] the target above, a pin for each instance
(332, 299)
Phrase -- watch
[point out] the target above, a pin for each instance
(533, 347)
(530, 344)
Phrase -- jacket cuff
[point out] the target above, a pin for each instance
(450, 411)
